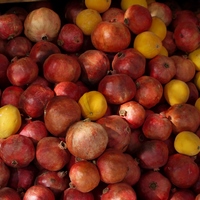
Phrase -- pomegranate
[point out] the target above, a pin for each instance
(11, 26)
(84, 176)
(86, 139)
(181, 170)
(19, 46)
(118, 131)
(22, 71)
(4, 63)
(119, 191)
(5, 174)
(113, 14)
(38, 192)
(38, 24)
(19, 11)
(11, 149)
(59, 113)
(185, 194)
(52, 154)
(57, 181)
(152, 154)
(33, 100)
(117, 88)
(153, 185)
(73, 193)
(9, 194)
(112, 166)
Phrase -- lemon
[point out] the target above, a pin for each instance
(10, 120)
(176, 92)
(197, 80)
(127, 3)
(197, 103)
(93, 105)
(194, 56)
(98, 5)
(187, 142)
(164, 52)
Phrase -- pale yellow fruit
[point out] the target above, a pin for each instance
(197, 80)
(176, 92)
(93, 105)
(10, 120)
(194, 56)
(127, 3)
(187, 142)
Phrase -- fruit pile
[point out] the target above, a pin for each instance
(99, 100)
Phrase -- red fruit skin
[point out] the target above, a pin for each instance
(10, 26)
(181, 170)
(94, 66)
(118, 131)
(84, 176)
(72, 193)
(67, 68)
(19, 46)
(129, 61)
(117, 88)
(19, 11)
(149, 91)
(5, 174)
(194, 93)
(41, 50)
(157, 127)
(185, 194)
(153, 185)
(51, 153)
(113, 14)
(38, 192)
(4, 63)
(22, 71)
(119, 190)
(33, 100)
(137, 18)
(70, 38)
(152, 154)
(106, 34)
(11, 95)
(11, 151)
(8, 193)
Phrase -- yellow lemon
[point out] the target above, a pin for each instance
(10, 120)
(87, 20)
(197, 79)
(127, 3)
(176, 92)
(158, 27)
(187, 142)
(197, 103)
(194, 56)
(98, 5)
(148, 44)
(164, 51)
(93, 105)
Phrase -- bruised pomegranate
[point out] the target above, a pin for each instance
(153, 186)
(73, 193)
(181, 170)
(57, 181)
(60, 112)
(86, 139)
(152, 154)
(51, 153)
(112, 166)
(11, 26)
(119, 191)
(38, 24)
(84, 176)
(118, 131)
(11, 151)
(38, 192)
